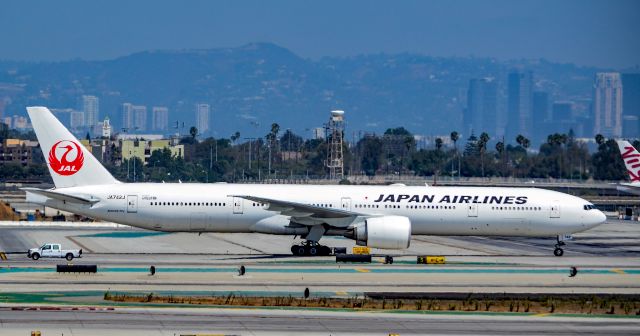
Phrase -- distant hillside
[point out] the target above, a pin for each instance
(264, 83)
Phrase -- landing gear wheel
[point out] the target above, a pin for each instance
(310, 249)
(558, 252)
(301, 250)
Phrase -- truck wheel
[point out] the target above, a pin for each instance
(69, 256)
(35, 256)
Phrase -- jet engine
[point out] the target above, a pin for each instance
(389, 232)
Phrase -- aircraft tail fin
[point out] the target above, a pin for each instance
(631, 159)
(70, 163)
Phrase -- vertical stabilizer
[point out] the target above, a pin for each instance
(70, 163)
(631, 159)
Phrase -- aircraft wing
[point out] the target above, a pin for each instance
(62, 197)
(299, 211)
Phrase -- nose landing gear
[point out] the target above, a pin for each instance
(310, 248)
(558, 252)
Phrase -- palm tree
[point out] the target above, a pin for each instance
(439, 144)
(500, 149)
(454, 137)
(235, 136)
(193, 131)
(482, 146)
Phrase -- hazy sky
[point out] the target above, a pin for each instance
(601, 33)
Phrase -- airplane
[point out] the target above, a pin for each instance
(631, 159)
(383, 217)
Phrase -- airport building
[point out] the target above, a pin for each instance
(142, 149)
(16, 151)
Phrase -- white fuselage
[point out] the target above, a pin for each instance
(431, 210)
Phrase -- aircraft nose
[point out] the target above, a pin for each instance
(597, 218)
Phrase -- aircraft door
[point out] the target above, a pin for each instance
(132, 203)
(472, 210)
(555, 210)
(237, 205)
(346, 203)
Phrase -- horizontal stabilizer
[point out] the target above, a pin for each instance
(62, 197)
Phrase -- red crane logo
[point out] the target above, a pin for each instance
(66, 158)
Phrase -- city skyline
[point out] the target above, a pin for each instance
(482, 113)
(250, 88)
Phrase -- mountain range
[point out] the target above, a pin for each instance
(252, 86)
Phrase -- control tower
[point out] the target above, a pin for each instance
(335, 134)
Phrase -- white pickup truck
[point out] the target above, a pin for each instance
(49, 250)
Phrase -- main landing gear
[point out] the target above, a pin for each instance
(558, 252)
(310, 248)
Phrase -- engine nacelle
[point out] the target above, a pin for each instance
(389, 232)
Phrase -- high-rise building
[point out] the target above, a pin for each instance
(519, 105)
(481, 114)
(76, 119)
(127, 117)
(91, 109)
(631, 105)
(540, 116)
(159, 118)
(607, 104)
(140, 117)
(202, 118)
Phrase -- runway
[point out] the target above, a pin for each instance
(168, 321)
(607, 259)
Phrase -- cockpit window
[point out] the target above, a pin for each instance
(589, 206)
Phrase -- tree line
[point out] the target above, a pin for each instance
(285, 155)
